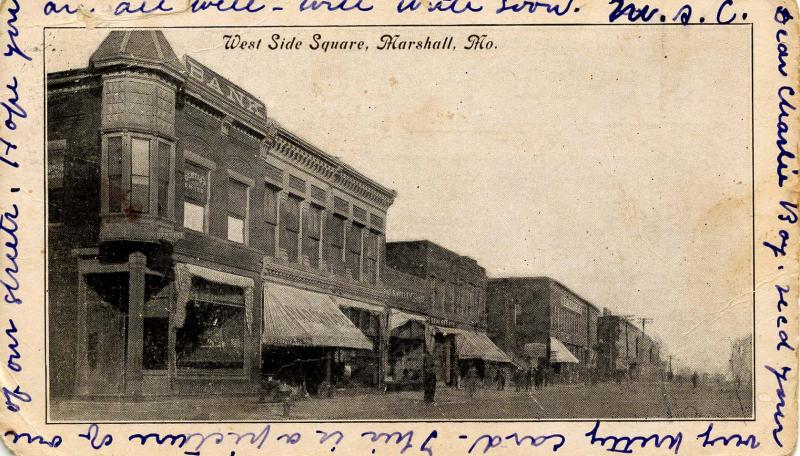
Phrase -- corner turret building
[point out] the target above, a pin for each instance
(195, 245)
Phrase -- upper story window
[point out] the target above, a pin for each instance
(195, 194)
(354, 250)
(165, 171)
(442, 295)
(55, 180)
(138, 175)
(290, 219)
(335, 233)
(114, 169)
(434, 293)
(271, 195)
(451, 297)
(372, 253)
(312, 235)
(459, 305)
(238, 193)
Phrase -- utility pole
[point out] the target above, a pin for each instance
(625, 319)
(644, 321)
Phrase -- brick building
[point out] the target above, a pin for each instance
(626, 349)
(195, 244)
(445, 294)
(541, 321)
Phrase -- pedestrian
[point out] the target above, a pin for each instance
(528, 378)
(429, 380)
(500, 379)
(694, 380)
(472, 381)
(539, 380)
(518, 379)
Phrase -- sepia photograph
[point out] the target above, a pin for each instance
(400, 223)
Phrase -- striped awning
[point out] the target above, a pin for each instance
(477, 345)
(183, 284)
(346, 302)
(559, 353)
(296, 317)
(398, 318)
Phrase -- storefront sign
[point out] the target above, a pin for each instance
(571, 305)
(195, 183)
(226, 92)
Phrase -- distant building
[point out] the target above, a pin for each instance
(541, 321)
(444, 293)
(627, 349)
(741, 362)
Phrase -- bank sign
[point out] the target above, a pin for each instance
(225, 95)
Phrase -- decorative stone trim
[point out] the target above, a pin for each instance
(324, 283)
(315, 163)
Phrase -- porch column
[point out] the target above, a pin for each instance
(446, 367)
(135, 338)
(82, 352)
(329, 365)
(383, 347)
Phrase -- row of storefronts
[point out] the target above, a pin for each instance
(197, 246)
(540, 322)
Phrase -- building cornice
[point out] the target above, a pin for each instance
(317, 162)
(329, 284)
(72, 81)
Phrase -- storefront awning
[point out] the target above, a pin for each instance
(477, 345)
(345, 302)
(535, 350)
(295, 317)
(520, 363)
(559, 353)
(183, 284)
(399, 318)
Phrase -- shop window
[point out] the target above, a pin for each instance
(237, 211)
(116, 193)
(270, 218)
(335, 234)
(354, 250)
(140, 175)
(195, 193)
(156, 336)
(290, 219)
(212, 336)
(55, 181)
(312, 235)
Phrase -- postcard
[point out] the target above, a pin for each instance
(360, 227)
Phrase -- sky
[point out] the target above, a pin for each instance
(614, 159)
